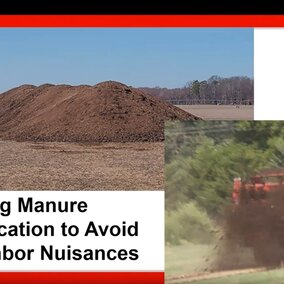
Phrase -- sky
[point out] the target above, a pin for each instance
(165, 57)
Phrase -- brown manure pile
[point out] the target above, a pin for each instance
(107, 112)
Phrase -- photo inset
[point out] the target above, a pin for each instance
(224, 201)
(84, 109)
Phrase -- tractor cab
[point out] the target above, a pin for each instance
(258, 186)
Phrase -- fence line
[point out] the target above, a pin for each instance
(210, 102)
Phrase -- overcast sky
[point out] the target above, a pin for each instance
(134, 56)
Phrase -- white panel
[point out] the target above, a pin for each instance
(269, 74)
(104, 208)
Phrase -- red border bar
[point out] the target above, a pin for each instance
(142, 21)
(82, 277)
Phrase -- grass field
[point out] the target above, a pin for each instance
(192, 261)
(220, 112)
(265, 277)
(187, 258)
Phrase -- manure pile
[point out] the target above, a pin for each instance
(107, 112)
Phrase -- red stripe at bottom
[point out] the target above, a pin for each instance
(82, 277)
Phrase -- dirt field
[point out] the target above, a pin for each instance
(221, 112)
(69, 166)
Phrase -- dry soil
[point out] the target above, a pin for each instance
(70, 166)
(220, 112)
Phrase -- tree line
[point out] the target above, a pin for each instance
(237, 89)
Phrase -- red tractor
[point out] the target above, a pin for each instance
(257, 218)
(258, 186)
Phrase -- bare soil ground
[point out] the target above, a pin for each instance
(220, 112)
(71, 166)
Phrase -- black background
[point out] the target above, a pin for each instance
(141, 7)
